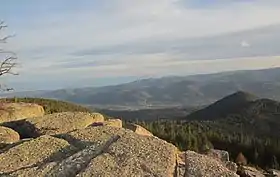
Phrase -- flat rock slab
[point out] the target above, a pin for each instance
(17, 111)
(34, 152)
(131, 155)
(8, 135)
(59, 123)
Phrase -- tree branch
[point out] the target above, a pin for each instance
(7, 65)
(2, 25)
(8, 58)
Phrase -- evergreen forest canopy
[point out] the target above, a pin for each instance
(239, 123)
(262, 151)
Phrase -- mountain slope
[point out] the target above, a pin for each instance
(231, 104)
(170, 91)
(242, 112)
(240, 122)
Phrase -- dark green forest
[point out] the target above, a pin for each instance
(258, 139)
(238, 123)
(50, 105)
(261, 151)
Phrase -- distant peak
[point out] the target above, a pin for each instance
(241, 95)
(237, 98)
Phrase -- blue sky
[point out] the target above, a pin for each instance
(69, 43)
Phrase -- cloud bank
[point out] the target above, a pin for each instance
(72, 40)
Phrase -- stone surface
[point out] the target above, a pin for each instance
(34, 152)
(231, 166)
(8, 135)
(205, 166)
(57, 123)
(252, 172)
(219, 154)
(105, 151)
(138, 129)
(80, 150)
(274, 173)
(76, 163)
(38, 171)
(131, 155)
(18, 111)
(113, 123)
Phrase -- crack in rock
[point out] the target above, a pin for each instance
(74, 164)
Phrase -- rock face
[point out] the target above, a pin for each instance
(219, 154)
(8, 135)
(57, 123)
(203, 165)
(275, 173)
(128, 154)
(17, 111)
(84, 145)
(231, 166)
(131, 155)
(252, 172)
(32, 153)
(222, 156)
(138, 129)
(114, 123)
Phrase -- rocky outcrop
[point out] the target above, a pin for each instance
(33, 153)
(103, 151)
(8, 135)
(18, 111)
(250, 172)
(131, 155)
(79, 161)
(113, 123)
(222, 156)
(203, 165)
(274, 173)
(55, 123)
(138, 129)
(83, 144)
(219, 154)
(231, 166)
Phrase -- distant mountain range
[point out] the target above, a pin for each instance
(168, 92)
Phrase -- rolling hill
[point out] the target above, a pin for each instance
(242, 112)
(240, 122)
(166, 92)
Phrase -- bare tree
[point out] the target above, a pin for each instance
(7, 58)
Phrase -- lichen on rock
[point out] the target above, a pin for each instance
(8, 135)
(17, 111)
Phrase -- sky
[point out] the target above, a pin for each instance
(69, 43)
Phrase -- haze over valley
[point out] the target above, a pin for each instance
(140, 88)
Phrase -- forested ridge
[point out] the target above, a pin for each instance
(239, 123)
(262, 151)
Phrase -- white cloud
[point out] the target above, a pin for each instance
(245, 44)
(49, 42)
